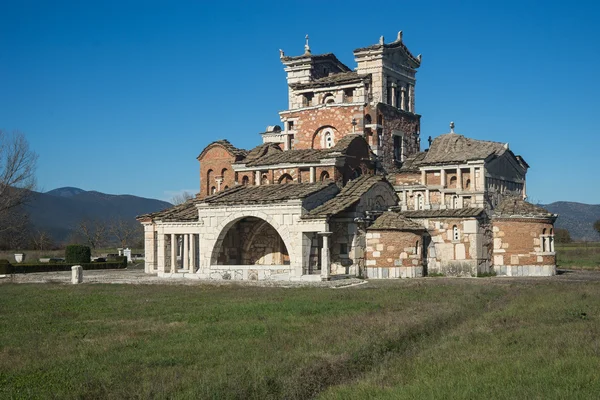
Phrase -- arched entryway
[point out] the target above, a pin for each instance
(250, 241)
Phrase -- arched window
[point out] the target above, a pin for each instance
(209, 178)
(329, 98)
(213, 190)
(328, 139)
(454, 202)
(226, 187)
(368, 119)
(324, 176)
(245, 180)
(452, 182)
(455, 235)
(419, 202)
(223, 173)
(285, 178)
(264, 180)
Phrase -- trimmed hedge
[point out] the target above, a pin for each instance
(8, 268)
(76, 253)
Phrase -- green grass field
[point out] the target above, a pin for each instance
(578, 255)
(427, 338)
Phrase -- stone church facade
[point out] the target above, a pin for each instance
(341, 188)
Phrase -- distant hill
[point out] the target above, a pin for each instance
(60, 210)
(577, 218)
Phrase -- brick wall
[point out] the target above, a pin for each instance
(518, 242)
(310, 121)
(215, 164)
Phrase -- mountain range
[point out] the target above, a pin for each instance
(577, 218)
(59, 211)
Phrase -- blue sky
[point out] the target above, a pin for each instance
(122, 96)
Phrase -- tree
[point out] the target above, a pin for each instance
(17, 171)
(93, 232)
(597, 226)
(562, 236)
(125, 232)
(17, 182)
(181, 198)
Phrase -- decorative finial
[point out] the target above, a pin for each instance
(306, 46)
(381, 40)
(399, 39)
(281, 53)
(419, 57)
(430, 140)
(451, 127)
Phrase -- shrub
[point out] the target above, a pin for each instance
(75, 253)
(5, 267)
(119, 259)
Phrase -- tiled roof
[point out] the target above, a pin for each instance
(333, 79)
(455, 148)
(349, 196)
(228, 146)
(515, 206)
(183, 212)
(392, 220)
(261, 151)
(277, 156)
(411, 163)
(265, 193)
(448, 213)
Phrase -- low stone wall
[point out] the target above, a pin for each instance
(393, 272)
(525, 270)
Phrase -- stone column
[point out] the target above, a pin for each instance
(325, 256)
(193, 251)
(404, 203)
(257, 178)
(394, 104)
(403, 98)
(313, 174)
(443, 177)
(427, 203)
(481, 179)
(472, 173)
(161, 261)
(423, 178)
(459, 184)
(411, 98)
(185, 254)
(174, 246)
(149, 249)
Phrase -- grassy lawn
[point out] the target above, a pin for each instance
(428, 338)
(578, 255)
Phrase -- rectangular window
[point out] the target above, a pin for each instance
(290, 125)
(344, 248)
(397, 148)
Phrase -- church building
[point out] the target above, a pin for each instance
(341, 188)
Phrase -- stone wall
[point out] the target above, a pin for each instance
(394, 120)
(450, 256)
(517, 248)
(393, 254)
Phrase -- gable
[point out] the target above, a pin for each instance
(506, 166)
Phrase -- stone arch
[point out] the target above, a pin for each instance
(214, 245)
(324, 136)
(285, 178)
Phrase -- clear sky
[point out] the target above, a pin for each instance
(122, 96)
